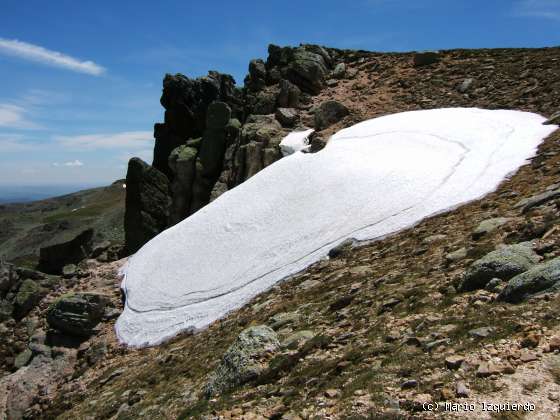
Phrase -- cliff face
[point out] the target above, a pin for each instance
(373, 331)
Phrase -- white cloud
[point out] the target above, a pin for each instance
(548, 9)
(125, 140)
(72, 163)
(53, 58)
(13, 116)
(14, 143)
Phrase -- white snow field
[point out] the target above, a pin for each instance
(371, 180)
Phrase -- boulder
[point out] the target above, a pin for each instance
(53, 258)
(256, 79)
(503, 263)
(286, 116)
(27, 297)
(289, 95)
(426, 58)
(263, 102)
(540, 278)
(307, 70)
(488, 226)
(146, 205)
(77, 314)
(329, 113)
(244, 360)
(339, 71)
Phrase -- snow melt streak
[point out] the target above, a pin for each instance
(371, 180)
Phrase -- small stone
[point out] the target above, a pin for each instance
(461, 390)
(487, 369)
(447, 394)
(331, 393)
(457, 255)
(554, 119)
(411, 383)
(465, 85)
(488, 226)
(554, 343)
(531, 340)
(454, 362)
(481, 332)
(297, 338)
(23, 358)
(528, 357)
(69, 271)
(308, 284)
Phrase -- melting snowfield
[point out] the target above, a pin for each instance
(371, 180)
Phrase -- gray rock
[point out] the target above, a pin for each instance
(6, 310)
(23, 358)
(494, 285)
(457, 255)
(294, 340)
(146, 205)
(503, 263)
(69, 271)
(8, 277)
(465, 85)
(182, 162)
(461, 390)
(100, 248)
(426, 58)
(339, 71)
(540, 278)
(289, 95)
(488, 226)
(537, 200)
(77, 314)
(329, 113)
(307, 70)
(27, 297)
(282, 319)
(482, 332)
(554, 119)
(242, 361)
(341, 248)
(53, 258)
(286, 116)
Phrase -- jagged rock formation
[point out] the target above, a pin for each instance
(216, 136)
(147, 203)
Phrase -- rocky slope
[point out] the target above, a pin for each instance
(462, 308)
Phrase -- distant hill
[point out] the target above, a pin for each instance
(27, 193)
(27, 226)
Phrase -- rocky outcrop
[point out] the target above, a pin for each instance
(426, 58)
(147, 204)
(244, 360)
(54, 257)
(540, 278)
(77, 314)
(186, 103)
(503, 264)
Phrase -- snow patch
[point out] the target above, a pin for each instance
(371, 180)
(296, 141)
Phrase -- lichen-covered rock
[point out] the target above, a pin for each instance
(488, 226)
(503, 263)
(289, 95)
(77, 314)
(53, 258)
(182, 163)
(307, 70)
(329, 113)
(146, 205)
(286, 116)
(339, 71)
(244, 360)
(28, 295)
(540, 278)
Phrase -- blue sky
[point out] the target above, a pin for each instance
(80, 81)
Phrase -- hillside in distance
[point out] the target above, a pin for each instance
(28, 226)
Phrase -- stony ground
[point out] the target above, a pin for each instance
(378, 331)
